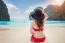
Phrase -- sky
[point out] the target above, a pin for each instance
(20, 9)
(23, 4)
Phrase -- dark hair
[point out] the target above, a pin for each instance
(38, 16)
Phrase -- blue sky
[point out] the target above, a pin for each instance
(24, 4)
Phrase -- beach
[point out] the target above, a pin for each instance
(54, 33)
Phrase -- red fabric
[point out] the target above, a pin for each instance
(33, 39)
(37, 29)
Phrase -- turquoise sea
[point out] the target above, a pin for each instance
(28, 22)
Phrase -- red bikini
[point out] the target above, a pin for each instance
(34, 39)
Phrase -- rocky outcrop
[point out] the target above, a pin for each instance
(56, 12)
(62, 10)
(4, 16)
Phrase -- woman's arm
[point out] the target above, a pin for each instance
(46, 16)
(31, 29)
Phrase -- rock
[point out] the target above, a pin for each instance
(62, 10)
(4, 15)
(56, 12)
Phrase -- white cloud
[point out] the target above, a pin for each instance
(15, 12)
(11, 6)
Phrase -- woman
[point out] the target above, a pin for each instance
(37, 26)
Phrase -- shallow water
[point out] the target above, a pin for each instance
(28, 22)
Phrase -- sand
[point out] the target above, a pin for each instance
(21, 34)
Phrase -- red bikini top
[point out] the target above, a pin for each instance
(37, 29)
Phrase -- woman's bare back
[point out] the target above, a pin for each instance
(37, 34)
